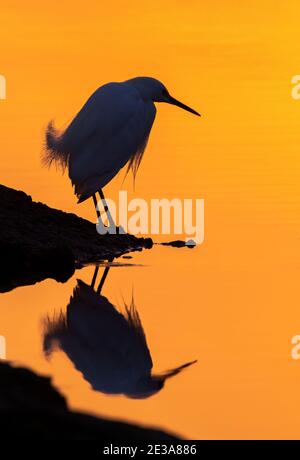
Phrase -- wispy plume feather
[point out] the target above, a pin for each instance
(136, 158)
(54, 151)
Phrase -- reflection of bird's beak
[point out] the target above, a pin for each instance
(173, 101)
(176, 371)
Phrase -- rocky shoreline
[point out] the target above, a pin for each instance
(38, 242)
(31, 408)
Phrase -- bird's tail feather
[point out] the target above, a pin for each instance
(54, 328)
(54, 151)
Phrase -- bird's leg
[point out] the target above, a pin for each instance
(102, 281)
(101, 228)
(96, 206)
(109, 216)
(95, 276)
(104, 276)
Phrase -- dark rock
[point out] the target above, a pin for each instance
(31, 408)
(180, 244)
(38, 242)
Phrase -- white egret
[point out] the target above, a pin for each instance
(110, 131)
(109, 348)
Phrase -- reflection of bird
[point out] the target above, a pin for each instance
(110, 130)
(108, 347)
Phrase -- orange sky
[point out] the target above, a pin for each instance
(233, 62)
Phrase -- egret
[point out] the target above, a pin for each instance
(110, 131)
(109, 348)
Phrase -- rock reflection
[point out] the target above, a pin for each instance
(108, 347)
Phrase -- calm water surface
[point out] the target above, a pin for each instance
(32, 318)
(190, 309)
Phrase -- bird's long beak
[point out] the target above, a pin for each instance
(173, 101)
(177, 370)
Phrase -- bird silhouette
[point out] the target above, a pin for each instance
(110, 131)
(108, 347)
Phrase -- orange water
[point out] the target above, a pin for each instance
(234, 302)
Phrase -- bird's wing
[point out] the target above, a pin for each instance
(100, 114)
(112, 126)
(108, 348)
(142, 355)
(94, 320)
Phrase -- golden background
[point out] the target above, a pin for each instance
(239, 305)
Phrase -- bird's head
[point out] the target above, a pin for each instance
(146, 387)
(149, 385)
(152, 89)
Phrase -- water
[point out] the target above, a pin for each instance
(170, 328)
(234, 322)
(233, 303)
